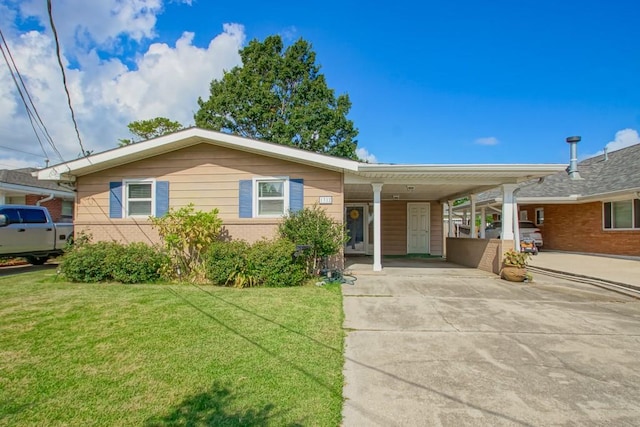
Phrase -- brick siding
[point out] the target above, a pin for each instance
(54, 206)
(579, 228)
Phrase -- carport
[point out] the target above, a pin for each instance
(399, 209)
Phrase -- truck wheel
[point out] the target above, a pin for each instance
(37, 260)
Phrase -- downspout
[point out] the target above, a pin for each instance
(46, 199)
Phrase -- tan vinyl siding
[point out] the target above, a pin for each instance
(207, 176)
(436, 242)
(394, 227)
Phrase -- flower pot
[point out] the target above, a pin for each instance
(513, 273)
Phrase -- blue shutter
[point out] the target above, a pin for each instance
(296, 195)
(245, 199)
(115, 199)
(162, 198)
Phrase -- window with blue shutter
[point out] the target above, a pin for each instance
(136, 198)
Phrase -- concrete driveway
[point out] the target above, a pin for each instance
(431, 343)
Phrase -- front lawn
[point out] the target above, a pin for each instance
(110, 354)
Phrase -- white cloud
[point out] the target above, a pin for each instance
(623, 138)
(489, 140)
(106, 94)
(365, 156)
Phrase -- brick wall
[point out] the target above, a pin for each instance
(578, 228)
(54, 206)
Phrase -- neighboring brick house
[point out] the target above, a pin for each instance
(598, 212)
(19, 187)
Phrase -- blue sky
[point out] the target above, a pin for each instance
(430, 82)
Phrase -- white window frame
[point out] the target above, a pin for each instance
(541, 210)
(256, 199)
(125, 202)
(634, 214)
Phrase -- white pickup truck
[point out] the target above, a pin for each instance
(29, 232)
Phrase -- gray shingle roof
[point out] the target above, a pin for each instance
(620, 172)
(23, 177)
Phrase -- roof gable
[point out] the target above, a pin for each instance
(185, 138)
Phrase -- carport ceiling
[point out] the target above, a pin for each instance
(437, 182)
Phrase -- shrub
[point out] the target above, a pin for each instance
(271, 263)
(187, 235)
(224, 260)
(112, 261)
(313, 227)
(265, 263)
(88, 262)
(138, 263)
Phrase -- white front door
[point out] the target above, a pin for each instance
(418, 221)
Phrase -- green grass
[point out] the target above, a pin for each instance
(110, 354)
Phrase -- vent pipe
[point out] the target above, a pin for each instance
(573, 164)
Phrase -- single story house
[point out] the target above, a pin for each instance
(594, 208)
(388, 209)
(19, 187)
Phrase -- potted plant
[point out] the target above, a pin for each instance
(514, 266)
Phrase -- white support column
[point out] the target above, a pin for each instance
(507, 211)
(472, 225)
(483, 222)
(377, 228)
(450, 209)
(2, 199)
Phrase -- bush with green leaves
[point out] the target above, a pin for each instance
(224, 260)
(265, 263)
(313, 227)
(112, 261)
(187, 235)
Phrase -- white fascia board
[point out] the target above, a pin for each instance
(629, 193)
(518, 170)
(184, 138)
(26, 189)
(532, 200)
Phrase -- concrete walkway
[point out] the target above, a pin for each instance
(431, 343)
(619, 270)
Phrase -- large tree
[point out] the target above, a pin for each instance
(151, 128)
(279, 95)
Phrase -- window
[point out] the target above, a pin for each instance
(139, 198)
(524, 215)
(539, 216)
(271, 196)
(32, 216)
(12, 215)
(624, 214)
(67, 208)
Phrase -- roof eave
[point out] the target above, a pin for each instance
(185, 138)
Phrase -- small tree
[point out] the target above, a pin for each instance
(312, 226)
(152, 128)
(187, 235)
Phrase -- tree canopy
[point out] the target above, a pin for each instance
(279, 95)
(151, 128)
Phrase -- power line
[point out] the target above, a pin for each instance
(64, 77)
(24, 152)
(40, 122)
(23, 100)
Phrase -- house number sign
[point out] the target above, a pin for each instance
(326, 200)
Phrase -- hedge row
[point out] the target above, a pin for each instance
(265, 263)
